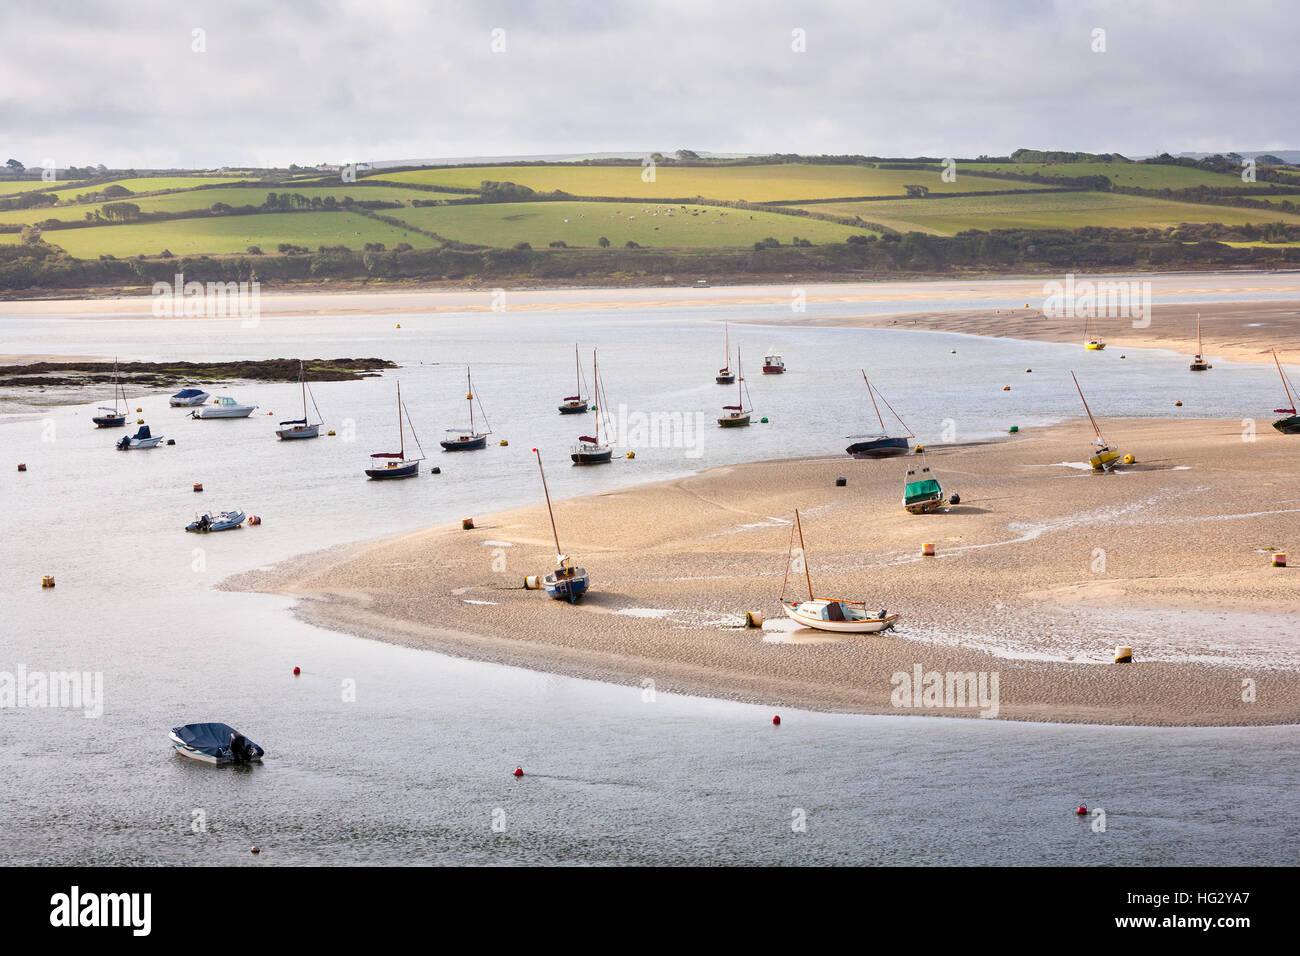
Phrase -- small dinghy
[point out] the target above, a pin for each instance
(223, 522)
(187, 397)
(143, 438)
(215, 744)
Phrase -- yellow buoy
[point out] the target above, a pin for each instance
(1123, 655)
(139, 421)
(469, 396)
(919, 449)
(47, 580)
(504, 443)
(139, 409)
(1129, 459)
(330, 432)
(398, 325)
(533, 583)
(927, 549)
(631, 454)
(753, 619)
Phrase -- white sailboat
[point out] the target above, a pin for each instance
(590, 450)
(300, 427)
(829, 614)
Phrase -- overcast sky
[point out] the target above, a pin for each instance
(312, 81)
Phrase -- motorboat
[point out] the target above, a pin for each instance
(215, 744)
(224, 521)
(143, 438)
(187, 397)
(224, 407)
(773, 364)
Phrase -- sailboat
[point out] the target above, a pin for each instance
(395, 464)
(590, 450)
(1198, 361)
(116, 417)
(1092, 334)
(566, 582)
(467, 439)
(737, 416)
(1291, 424)
(1106, 457)
(829, 614)
(725, 375)
(882, 445)
(575, 404)
(300, 427)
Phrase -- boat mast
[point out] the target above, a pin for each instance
(740, 382)
(726, 347)
(555, 534)
(1289, 397)
(1198, 335)
(469, 397)
(1087, 409)
(302, 377)
(577, 371)
(872, 392)
(401, 435)
(803, 553)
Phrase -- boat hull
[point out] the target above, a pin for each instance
(468, 444)
(879, 448)
(739, 421)
(226, 521)
(591, 456)
(409, 470)
(725, 379)
(573, 409)
(1288, 426)
(924, 507)
(570, 588)
(773, 369)
(867, 626)
(1104, 461)
(298, 431)
(1095, 346)
(242, 411)
(189, 400)
(1200, 366)
(134, 444)
(109, 421)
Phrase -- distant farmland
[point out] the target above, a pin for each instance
(583, 223)
(232, 234)
(751, 183)
(1141, 175)
(946, 217)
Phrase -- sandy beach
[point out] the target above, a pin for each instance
(1042, 569)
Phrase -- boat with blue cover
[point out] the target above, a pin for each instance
(214, 743)
(143, 438)
(187, 397)
(225, 521)
(883, 445)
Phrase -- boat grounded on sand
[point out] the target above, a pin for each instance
(113, 417)
(922, 493)
(1104, 458)
(883, 445)
(590, 450)
(187, 397)
(143, 438)
(467, 439)
(725, 375)
(225, 521)
(214, 743)
(575, 404)
(737, 416)
(566, 582)
(773, 364)
(1198, 363)
(829, 614)
(1291, 424)
(300, 427)
(1092, 335)
(223, 407)
(395, 464)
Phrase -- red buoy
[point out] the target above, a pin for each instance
(519, 771)
(776, 719)
(1081, 810)
(297, 671)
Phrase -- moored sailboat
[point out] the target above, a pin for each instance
(1198, 363)
(725, 375)
(922, 492)
(1092, 335)
(115, 417)
(467, 439)
(883, 445)
(395, 464)
(737, 416)
(566, 582)
(590, 450)
(300, 427)
(829, 614)
(1291, 424)
(1104, 458)
(575, 404)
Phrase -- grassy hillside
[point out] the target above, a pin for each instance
(583, 223)
(750, 183)
(946, 217)
(1141, 175)
(231, 234)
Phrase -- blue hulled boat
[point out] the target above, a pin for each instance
(882, 445)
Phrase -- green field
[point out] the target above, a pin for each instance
(750, 183)
(1141, 175)
(232, 234)
(946, 217)
(583, 223)
(192, 199)
(1294, 197)
(142, 184)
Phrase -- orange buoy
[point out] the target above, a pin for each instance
(255, 849)
(776, 719)
(1279, 559)
(1006, 388)
(1081, 810)
(254, 519)
(1178, 404)
(398, 325)
(519, 771)
(47, 580)
(198, 486)
(467, 524)
(927, 549)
